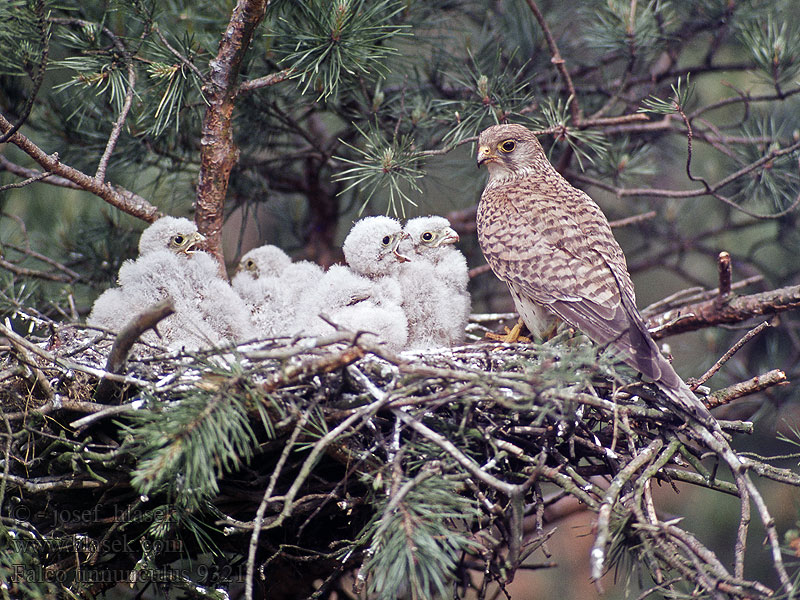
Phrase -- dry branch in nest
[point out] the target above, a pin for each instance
(418, 474)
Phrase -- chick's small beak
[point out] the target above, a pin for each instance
(400, 257)
(193, 242)
(451, 237)
(485, 154)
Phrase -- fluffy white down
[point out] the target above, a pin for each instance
(365, 249)
(257, 283)
(207, 310)
(434, 283)
(280, 303)
(356, 303)
(264, 261)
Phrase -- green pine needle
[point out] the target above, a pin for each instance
(326, 43)
(774, 46)
(497, 92)
(390, 165)
(184, 446)
(556, 114)
(682, 93)
(414, 545)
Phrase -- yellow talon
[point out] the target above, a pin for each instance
(511, 336)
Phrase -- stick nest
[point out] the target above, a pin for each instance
(418, 474)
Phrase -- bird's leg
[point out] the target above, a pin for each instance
(551, 331)
(512, 335)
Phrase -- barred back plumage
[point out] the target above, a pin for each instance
(553, 246)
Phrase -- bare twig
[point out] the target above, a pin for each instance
(712, 189)
(127, 338)
(266, 81)
(633, 220)
(558, 62)
(33, 175)
(745, 388)
(724, 269)
(126, 201)
(119, 122)
(727, 356)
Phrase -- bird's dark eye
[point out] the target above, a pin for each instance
(387, 239)
(178, 239)
(508, 146)
(249, 264)
(427, 236)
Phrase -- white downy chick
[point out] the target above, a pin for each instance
(256, 282)
(140, 287)
(207, 311)
(349, 301)
(277, 290)
(434, 281)
(296, 289)
(370, 250)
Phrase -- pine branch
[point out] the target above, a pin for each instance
(218, 152)
(558, 62)
(120, 198)
(710, 313)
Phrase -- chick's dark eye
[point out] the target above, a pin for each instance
(178, 239)
(249, 264)
(427, 236)
(386, 240)
(508, 146)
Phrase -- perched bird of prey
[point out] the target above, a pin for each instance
(434, 283)
(554, 248)
(207, 310)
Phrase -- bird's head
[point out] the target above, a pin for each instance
(186, 243)
(177, 235)
(429, 233)
(371, 247)
(509, 151)
(264, 261)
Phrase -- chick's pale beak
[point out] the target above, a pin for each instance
(193, 241)
(400, 257)
(485, 154)
(450, 237)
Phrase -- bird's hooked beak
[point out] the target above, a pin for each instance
(192, 243)
(400, 257)
(450, 237)
(486, 154)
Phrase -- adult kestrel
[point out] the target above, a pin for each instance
(554, 248)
